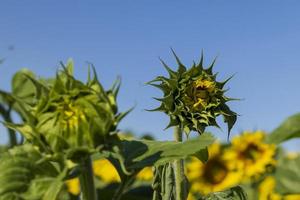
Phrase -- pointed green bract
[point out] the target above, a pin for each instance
(65, 113)
(193, 98)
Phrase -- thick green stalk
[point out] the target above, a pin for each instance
(180, 182)
(87, 185)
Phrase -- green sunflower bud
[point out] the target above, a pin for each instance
(69, 114)
(193, 98)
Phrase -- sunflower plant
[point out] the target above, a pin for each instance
(67, 145)
(71, 126)
(193, 99)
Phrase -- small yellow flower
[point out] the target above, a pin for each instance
(145, 174)
(73, 186)
(251, 153)
(105, 171)
(216, 175)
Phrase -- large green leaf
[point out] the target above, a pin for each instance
(26, 175)
(289, 129)
(287, 176)
(130, 156)
(138, 154)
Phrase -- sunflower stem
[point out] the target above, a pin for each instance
(87, 185)
(180, 182)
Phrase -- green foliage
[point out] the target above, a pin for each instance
(65, 119)
(132, 155)
(23, 90)
(235, 193)
(163, 183)
(26, 175)
(289, 129)
(193, 98)
(287, 176)
(22, 86)
(63, 113)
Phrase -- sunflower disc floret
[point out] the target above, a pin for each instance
(193, 98)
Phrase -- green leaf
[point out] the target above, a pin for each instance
(287, 176)
(235, 193)
(133, 155)
(26, 175)
(289, 129)
(158, 153)
(22, 86)
(202, 155)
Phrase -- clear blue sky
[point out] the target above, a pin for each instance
(257, 40)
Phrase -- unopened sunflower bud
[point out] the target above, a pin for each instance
(69, 114)
(193, 98)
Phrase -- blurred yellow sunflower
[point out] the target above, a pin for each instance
(251, 154)
(105, 171)
(145, 174)
(266, 191)
(216, 174)
(73, 186)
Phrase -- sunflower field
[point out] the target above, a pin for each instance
(66, 144)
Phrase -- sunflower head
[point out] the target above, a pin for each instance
(193, 98)
(217, 174)
(252, 154)
(68, 113)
